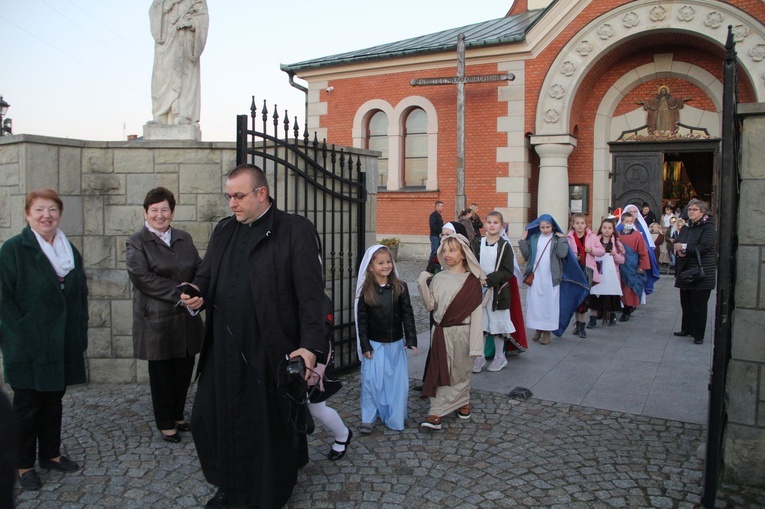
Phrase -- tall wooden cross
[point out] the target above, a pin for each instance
(461, 80)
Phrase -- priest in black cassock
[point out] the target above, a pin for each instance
(262, 288)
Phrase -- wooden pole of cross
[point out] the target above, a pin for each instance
(460, 80)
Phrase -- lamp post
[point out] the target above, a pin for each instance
(6, 126)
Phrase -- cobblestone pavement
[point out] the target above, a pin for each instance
(533, 453)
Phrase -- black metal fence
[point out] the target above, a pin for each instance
(323, 184)
(727, 244)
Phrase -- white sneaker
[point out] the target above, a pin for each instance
(499, 362)
(478, 364)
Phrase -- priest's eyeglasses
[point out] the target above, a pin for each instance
(237, 197)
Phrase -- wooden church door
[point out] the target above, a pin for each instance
(637, 178)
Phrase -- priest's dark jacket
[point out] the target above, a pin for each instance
(263, 289)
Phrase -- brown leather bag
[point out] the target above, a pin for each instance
(529, 279)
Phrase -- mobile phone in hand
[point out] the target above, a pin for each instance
(189, 290)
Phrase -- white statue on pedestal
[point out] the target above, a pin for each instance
(179, 28)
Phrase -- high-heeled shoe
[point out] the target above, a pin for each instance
(336, 455)
(173, 439)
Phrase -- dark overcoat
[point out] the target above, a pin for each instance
(44, 327)
(286, 285)
(700, 237)
(246, 427)
(162, 329)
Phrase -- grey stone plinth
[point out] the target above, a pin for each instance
(112, 370)
(99, 314)
(171, 132)
(747, 335)
(744, 455)
(742, 394)
(122, 317)
(107, 284)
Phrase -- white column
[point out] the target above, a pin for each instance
(552, 194)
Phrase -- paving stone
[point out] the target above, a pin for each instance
(533, 453)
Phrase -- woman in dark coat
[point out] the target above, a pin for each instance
(697, 237)
(44, 330)
(165, 333)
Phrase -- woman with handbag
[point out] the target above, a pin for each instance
(695, 269)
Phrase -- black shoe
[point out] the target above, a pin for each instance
(681, 334)
(63, 465)
(582, 331)
(624, 317)
(219, 500)
(29, 480)
(336, 455)
(182, 426)
(698, 341)
(577, 329)
(592, 323)
(612, 319)
(173, 439)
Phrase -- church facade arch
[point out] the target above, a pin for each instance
(606, 125)
(697, 18)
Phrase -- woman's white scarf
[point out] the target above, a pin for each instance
(59, 253)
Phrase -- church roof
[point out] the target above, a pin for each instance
(486, 33)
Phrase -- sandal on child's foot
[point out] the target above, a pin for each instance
(336, 455)
(431, 422)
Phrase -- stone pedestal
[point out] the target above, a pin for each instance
(171, 132)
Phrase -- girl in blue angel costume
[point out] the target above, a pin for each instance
(559, 284)
(385, 328)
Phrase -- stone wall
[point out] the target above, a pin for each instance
(102, 185)
(745, 437)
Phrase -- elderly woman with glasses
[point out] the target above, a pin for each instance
(695, 248)
(165, 333)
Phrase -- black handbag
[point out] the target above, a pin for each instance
(693, 275)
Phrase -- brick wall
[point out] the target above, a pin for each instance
(481, 141)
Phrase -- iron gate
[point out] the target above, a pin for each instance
(727, 244)
(326, 186)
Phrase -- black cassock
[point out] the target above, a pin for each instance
(244, 427)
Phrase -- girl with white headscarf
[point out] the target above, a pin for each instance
(384, 317)
(653, 274)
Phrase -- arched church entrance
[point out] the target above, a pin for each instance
(661, 172)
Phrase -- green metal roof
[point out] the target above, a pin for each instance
(485, 33)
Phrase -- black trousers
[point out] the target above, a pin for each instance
(169, 380)
(694, 305)
(38, 415)
(8, 457)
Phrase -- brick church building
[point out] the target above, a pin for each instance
(612, 102)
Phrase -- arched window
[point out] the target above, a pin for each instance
(377, 139)
(415, 171)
